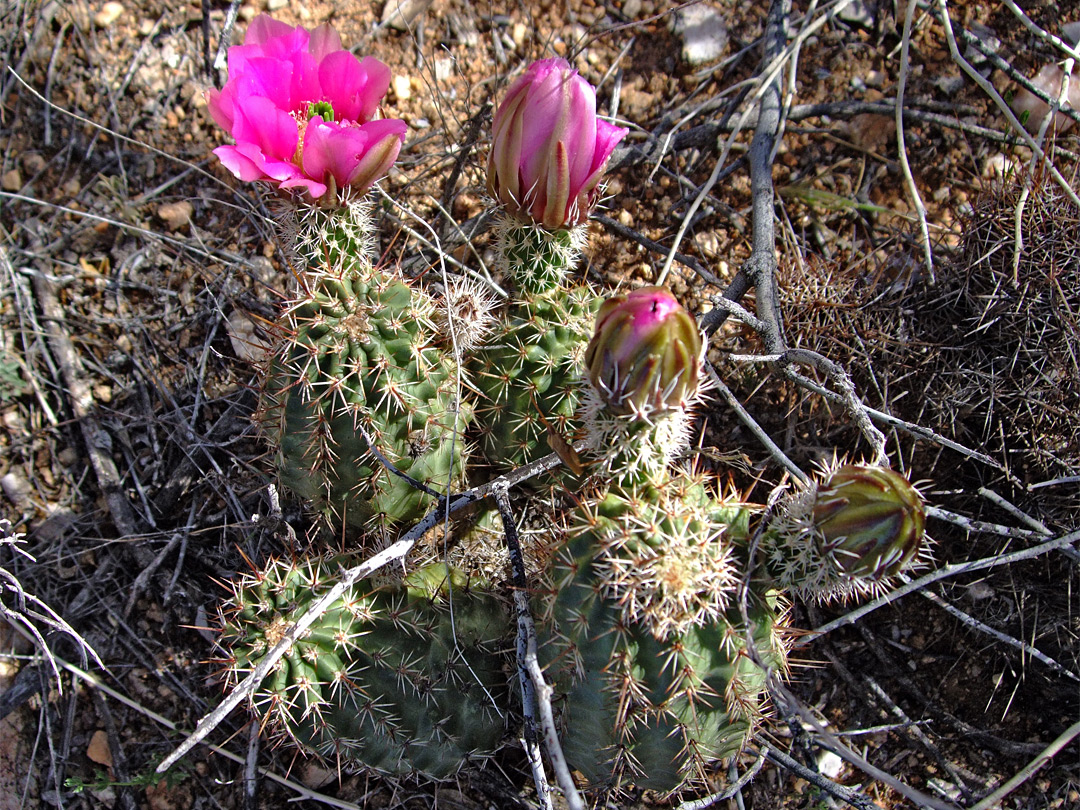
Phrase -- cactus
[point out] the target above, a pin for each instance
(406, 679)
(658, 672)
(357, 360)
(528, 375)
(648, 647)
(847, 535)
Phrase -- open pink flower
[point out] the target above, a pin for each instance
(300, 109)
(548, 148)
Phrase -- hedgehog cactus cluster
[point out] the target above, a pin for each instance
(659, 630)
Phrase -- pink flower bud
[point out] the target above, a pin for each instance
(645, 356)
(870, 519)
(548, 148)
(302, 111)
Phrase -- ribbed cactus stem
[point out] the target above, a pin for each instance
(318, 236)
(536, 259)
(648, 646)
(406, 679)
(357, 362)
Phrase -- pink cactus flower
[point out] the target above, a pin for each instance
(301, 110)
(548, 148)
(645, 355)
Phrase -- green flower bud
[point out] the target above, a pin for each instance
(645, 355)
(870, 521)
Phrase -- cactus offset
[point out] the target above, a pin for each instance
(404, 679)
(649, 647)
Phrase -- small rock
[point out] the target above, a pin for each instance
(626, 218)
(518, 33)
(1049, 80)
(858, 13)
(71, 187)
(103, 394)
(17, 490)
(875, 78)
(11, 181)
(68, 456)
(949, 85)
(978, 591)
(631, 8)
(402, 87)
(1070, 32)
(444, 69)
(176, 215)
(941, 194)
(110, 13)
(401, 14)
(33, 162)
(703, 31)
(276, 5)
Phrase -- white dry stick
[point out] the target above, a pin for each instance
(1057, 544)
(526, 630)
(994, 799)
(909, 181)
(1023, 646)
(1001, 104)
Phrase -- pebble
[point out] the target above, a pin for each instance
(176, 215)
(276, 5)
(33, 162)
(402, 87)
(626, 218)
(444, 69)
(631, 8)
(518, 33)
(110, 13)
(997, 167)
(401, 14)
(11, 181)
(703, 31)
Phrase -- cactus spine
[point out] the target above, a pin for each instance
(406, 679)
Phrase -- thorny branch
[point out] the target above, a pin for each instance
(346, 580)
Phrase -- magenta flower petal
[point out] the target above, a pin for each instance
(353, 87)
(279, 79)
(260, 122)
(548, 148)
(324, 41)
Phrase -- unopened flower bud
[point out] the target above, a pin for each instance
(645, 355)
(548, 148)
(870, 520)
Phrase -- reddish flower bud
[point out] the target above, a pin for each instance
(870, 519)
(548, 148)
(645, 355)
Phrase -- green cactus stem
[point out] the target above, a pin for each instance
(406, 679)
(648, 650)
(357, 362)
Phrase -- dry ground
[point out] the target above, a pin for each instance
(134, 269)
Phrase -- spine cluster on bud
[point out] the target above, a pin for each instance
(847, 535)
